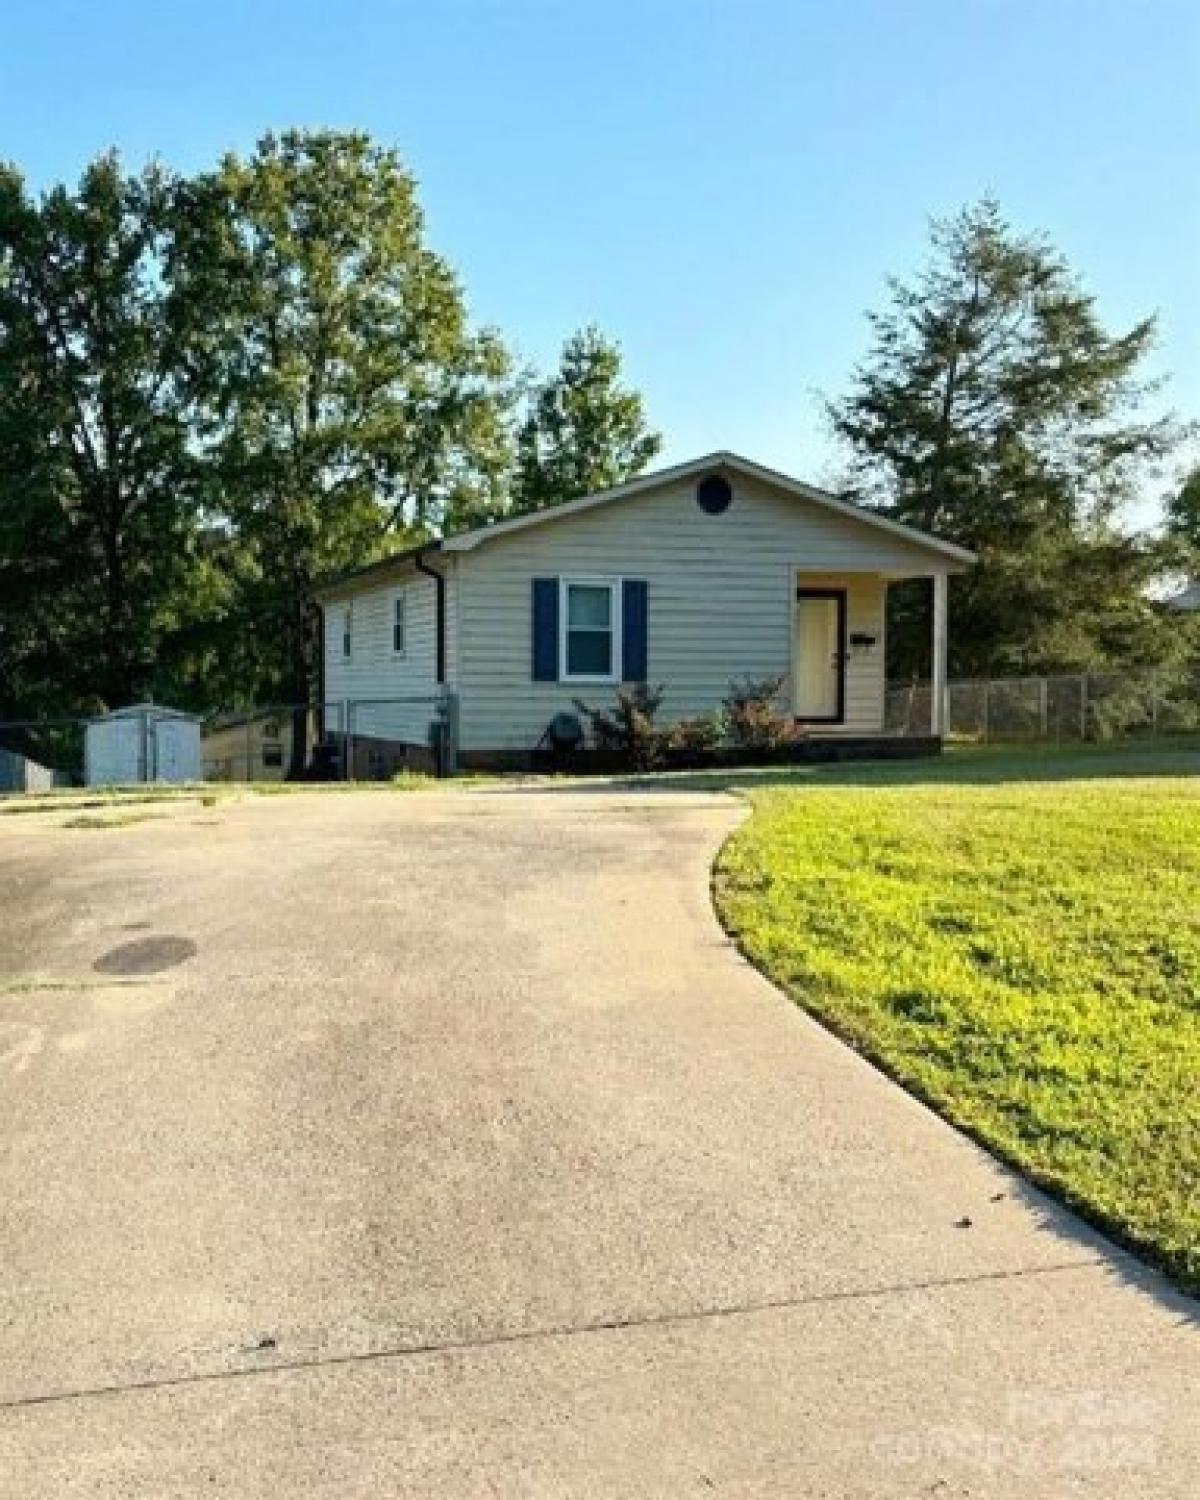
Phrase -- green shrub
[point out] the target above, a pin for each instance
(753, 718)
(406, 780)
(751, 721)
(627, 731)
(693, 742)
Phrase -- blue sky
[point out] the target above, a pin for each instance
(722, 185)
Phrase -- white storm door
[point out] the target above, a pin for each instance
(818, 692)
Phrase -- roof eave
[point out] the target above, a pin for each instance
(377, 571)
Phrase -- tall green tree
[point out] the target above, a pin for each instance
(351, 405)
(584, 430)
(99, 488)
(994, 409)
(1183, 530)
(1183, 517)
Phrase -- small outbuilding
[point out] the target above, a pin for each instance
(247, 747)
(144, 742)
(20, 774)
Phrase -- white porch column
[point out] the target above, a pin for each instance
(937, 703)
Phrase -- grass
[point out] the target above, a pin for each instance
(79, 799)
(208, 793)
(1016, 937)
(403, 781)
(121, 818)
(19, 985)
(989, 764)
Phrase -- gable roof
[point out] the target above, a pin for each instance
(381, 568)
(732, 463)
(148, 709)
(722, 460)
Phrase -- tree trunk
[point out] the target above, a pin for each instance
(118, 686)
(300, 688)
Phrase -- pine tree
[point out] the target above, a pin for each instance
(995, 410)
(584, 431)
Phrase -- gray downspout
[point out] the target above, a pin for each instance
(445, 752)
(439, 581)
(319, 724)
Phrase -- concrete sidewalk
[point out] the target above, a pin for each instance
(361, 1145)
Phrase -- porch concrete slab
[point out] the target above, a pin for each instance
(444, 1144)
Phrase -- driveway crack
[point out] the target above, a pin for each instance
(534, 1335)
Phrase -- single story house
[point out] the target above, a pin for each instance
(690, 578)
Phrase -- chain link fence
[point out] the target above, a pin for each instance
(1086, 706)
(358, 739)
(349, 739)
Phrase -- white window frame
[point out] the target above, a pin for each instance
(613, 585)
(347, 631)
(399, 599)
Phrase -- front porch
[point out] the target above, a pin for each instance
(836, 679)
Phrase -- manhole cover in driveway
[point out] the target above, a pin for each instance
(147, 955)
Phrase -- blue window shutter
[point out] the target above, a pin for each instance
(634, 654)
(545, 630)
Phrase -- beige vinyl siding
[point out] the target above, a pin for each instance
(448, 565)
(238, 752)
(719, 601)
(374, 673)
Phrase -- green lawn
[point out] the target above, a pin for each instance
(76, 799)
(1016, 937)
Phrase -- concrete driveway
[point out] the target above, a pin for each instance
(442, 1145)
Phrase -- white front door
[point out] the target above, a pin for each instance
(818, 691)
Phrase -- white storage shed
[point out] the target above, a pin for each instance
(144, 742)
(20, 774)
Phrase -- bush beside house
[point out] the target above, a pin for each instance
(749, 728)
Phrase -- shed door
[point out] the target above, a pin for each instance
(819, 689)
(173, 761)
(113, 750)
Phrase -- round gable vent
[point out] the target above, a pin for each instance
(714, 494)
